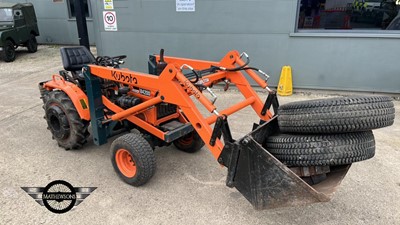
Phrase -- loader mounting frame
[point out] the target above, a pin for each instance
(172, 87)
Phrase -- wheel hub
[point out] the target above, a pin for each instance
(10, 52)
(187, 139)
(58, 123)
(125, 162)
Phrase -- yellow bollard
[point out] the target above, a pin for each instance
(285, 86)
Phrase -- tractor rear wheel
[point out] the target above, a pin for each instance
(189, 143)
(133, 159)
(321, 150)
(67, 128)
(336, 115)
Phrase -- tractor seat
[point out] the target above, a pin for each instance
(74, 58)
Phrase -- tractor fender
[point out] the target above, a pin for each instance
(77, 96)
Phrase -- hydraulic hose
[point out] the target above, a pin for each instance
(234, 69)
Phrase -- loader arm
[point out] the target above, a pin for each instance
(171, 86)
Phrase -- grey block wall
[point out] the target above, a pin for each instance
(55, 25)
(262, 28)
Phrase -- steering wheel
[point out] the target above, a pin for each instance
(114, 61)
(119, 57)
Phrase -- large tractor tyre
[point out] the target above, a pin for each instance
(44, 93)
(189, 143)
(321, 150)
(31, 44)
(8, 53)
(336, 115)
(133, 159)
(67, 128)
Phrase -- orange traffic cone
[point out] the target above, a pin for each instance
(285, 86)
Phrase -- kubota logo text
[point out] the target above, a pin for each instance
(192, 88)
(119, 76)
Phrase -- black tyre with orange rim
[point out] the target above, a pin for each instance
(133, 159)
(189, 143)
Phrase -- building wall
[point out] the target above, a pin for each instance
(54, 23)
(262, 28)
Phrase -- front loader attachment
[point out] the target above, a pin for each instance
(266, 182)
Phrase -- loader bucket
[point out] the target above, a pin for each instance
(266, 182)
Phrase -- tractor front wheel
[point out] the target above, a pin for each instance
(133, 159)
(67, 128)
(189, 143)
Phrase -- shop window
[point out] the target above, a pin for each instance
(349, 15)
(71, 8)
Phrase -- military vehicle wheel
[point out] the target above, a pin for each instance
(32, 44)
(8, 52)
(67, 128)
(189, 143)
(133, 159)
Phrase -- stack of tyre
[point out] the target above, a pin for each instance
(329, 132)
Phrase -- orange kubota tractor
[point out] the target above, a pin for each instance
(300, 159)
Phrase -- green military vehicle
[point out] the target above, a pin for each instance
(18, 27)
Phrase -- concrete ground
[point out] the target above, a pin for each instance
(186, 189)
